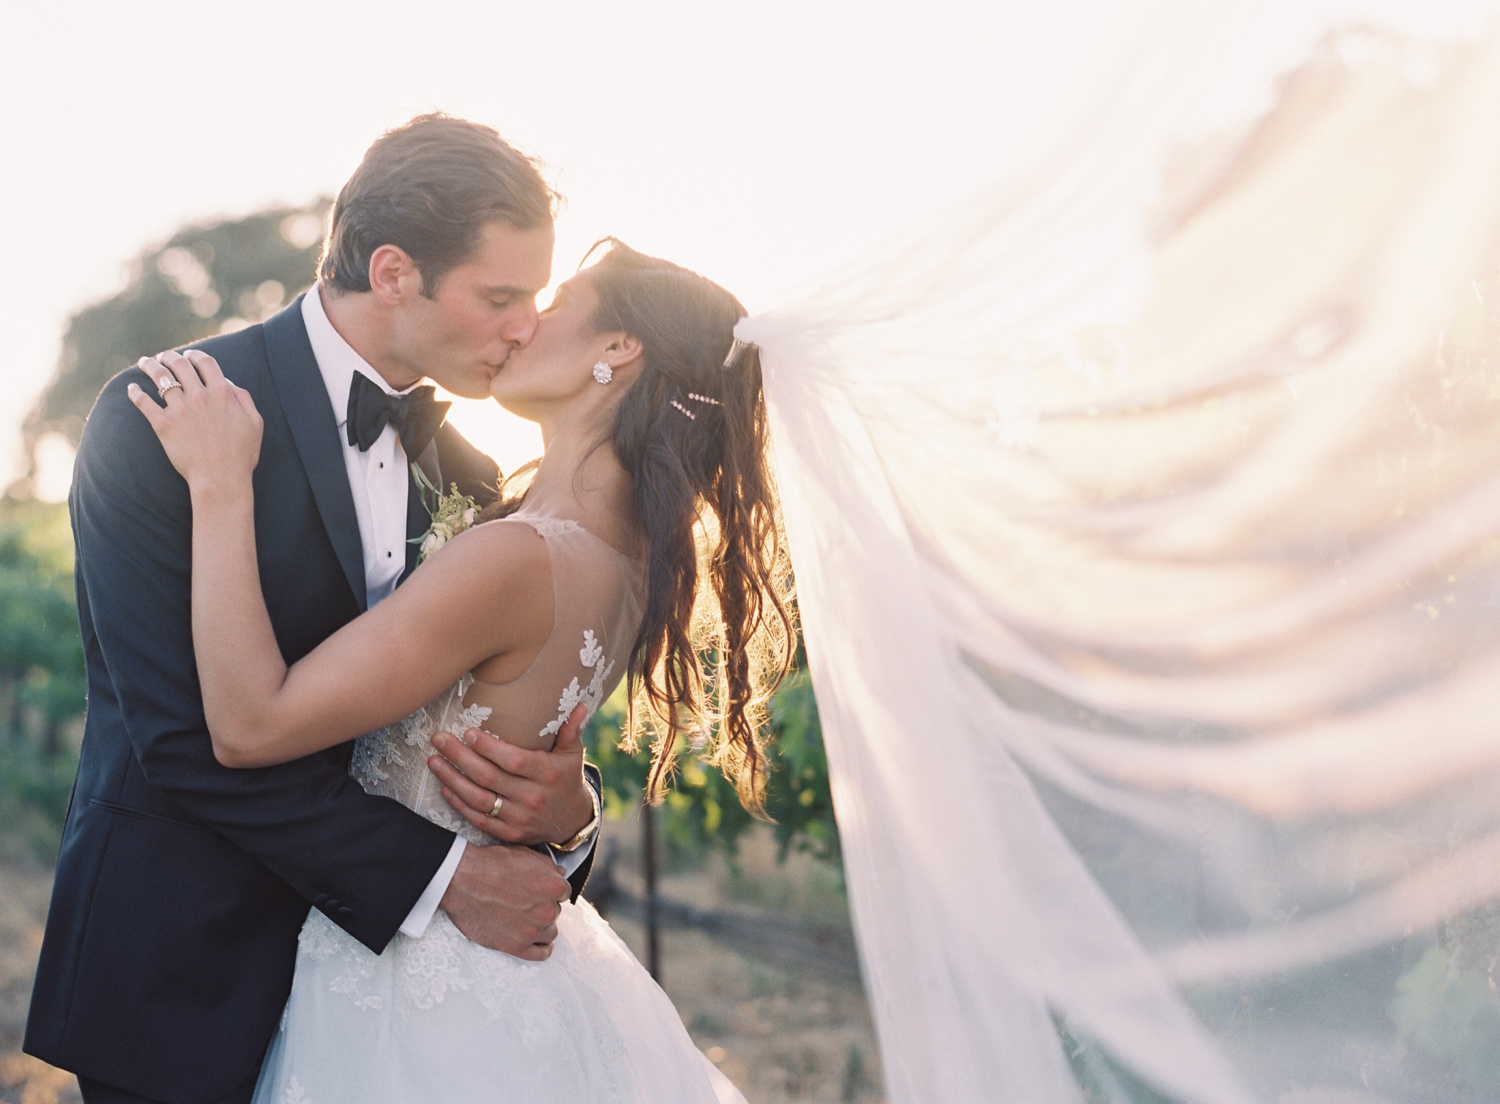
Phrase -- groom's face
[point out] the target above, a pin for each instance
(479, 312)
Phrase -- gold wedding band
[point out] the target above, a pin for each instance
(495, 808)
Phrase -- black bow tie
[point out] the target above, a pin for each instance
(415, 415)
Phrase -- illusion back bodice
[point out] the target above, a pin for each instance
(435, 1016)
(597, 601)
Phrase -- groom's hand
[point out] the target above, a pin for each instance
(508, 899)
(543, 797)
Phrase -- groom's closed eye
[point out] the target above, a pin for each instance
(502, 297)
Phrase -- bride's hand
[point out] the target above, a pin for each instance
(209, 428)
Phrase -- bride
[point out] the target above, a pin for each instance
(651, 505)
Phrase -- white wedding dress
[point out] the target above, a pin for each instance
(443, 1018)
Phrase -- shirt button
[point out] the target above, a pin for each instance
(387, 555)
(382, 463)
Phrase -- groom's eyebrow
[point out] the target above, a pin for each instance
(508, 290)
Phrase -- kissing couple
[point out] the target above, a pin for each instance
(332, 817)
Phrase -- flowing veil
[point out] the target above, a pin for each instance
(1145, 512)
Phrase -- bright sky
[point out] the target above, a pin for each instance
(764, 144)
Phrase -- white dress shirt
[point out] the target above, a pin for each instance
(379, 482)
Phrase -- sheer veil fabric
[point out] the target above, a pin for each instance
(1145, 513)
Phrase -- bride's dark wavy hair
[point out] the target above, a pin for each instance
(718, 632)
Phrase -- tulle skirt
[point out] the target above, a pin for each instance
(441, 1018)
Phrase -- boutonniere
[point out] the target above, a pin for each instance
(452, 513)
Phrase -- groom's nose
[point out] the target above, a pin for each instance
(520, 327)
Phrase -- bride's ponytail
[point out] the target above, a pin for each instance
(717, 634)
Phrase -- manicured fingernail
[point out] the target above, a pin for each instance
(439, 741)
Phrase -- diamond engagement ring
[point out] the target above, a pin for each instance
(495, 808)
(166, 385)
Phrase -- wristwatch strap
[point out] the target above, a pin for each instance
(587, 831)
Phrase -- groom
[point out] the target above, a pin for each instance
(181, 885)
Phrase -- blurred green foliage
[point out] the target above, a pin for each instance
(1446, 1007)
(1101, 1079)
(702, 812)
(41, 671)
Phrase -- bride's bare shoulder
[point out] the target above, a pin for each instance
(494, 557)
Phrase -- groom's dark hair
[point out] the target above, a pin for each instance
(430, 187)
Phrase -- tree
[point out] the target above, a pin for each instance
(207, 279)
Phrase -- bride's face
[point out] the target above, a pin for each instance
(556, 366)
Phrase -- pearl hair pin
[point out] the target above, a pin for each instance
(696, 398)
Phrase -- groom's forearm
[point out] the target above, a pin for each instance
(421, 914)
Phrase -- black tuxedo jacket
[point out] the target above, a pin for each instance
(181, 885)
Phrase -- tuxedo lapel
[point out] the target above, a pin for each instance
(418, 516)
(315, 433)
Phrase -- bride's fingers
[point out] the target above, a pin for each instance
(161, 375)
(146, 405)
(207, 366)
(247, 404)
(183, 368)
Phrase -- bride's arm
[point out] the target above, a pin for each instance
(376, 669)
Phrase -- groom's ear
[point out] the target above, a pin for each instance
(394, 276)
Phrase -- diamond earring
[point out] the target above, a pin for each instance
(603, 373)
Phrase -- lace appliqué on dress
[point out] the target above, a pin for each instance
(392, 761)
(382, 748)
(591, 655)
(470, 716)
(554, 527)
(420, 974)
(321, 939)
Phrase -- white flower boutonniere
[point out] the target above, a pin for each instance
(452, 513)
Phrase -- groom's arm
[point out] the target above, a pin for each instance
(475, 473)
(364, 860)
(575, 865)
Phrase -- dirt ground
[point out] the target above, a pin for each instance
(24, 888)
(781, 1034)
